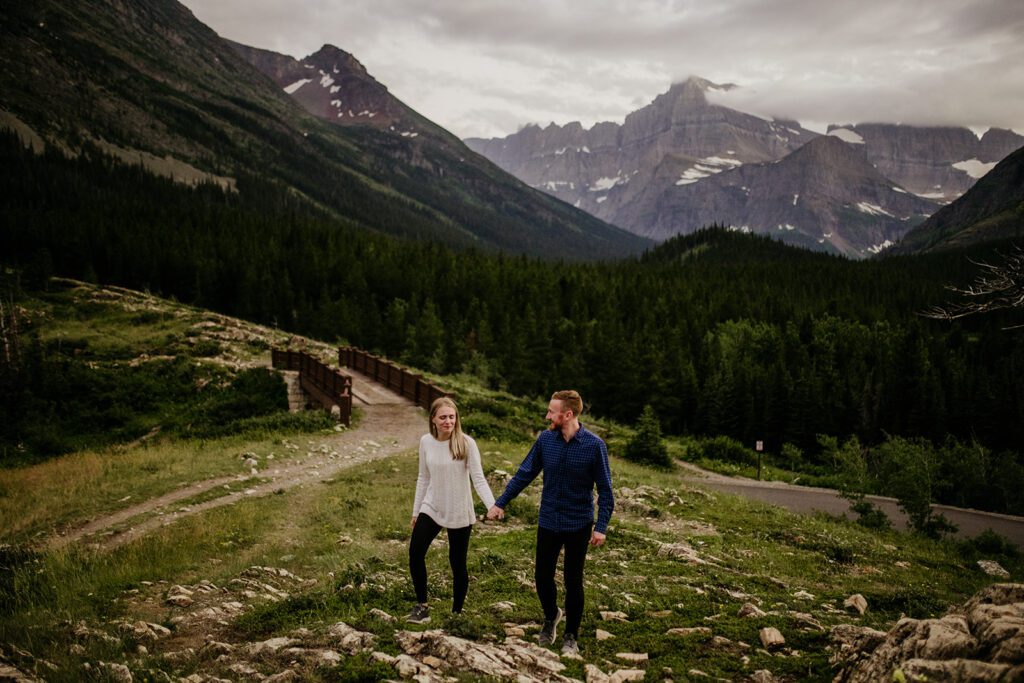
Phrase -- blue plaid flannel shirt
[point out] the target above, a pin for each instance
(571, 471)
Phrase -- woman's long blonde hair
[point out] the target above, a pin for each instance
(457, 442)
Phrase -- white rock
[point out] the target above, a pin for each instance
(701, 630)
(623, 675)
(272, 645)
(749, 609)
(856, 602)
(633, 657)
(591, 674)
(614, 616)
(382, 615)
(771, 637)
(993, 568)
(603, 635)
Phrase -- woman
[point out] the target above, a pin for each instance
(448, 461)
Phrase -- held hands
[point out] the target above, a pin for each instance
(597, 538)
(495, 513)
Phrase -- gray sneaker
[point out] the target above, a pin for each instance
(547, 632)
(420, 614)
(569, 647)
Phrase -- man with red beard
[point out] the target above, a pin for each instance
(574, 461)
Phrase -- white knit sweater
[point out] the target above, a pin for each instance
(442, 488)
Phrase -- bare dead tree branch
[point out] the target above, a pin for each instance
(998, 286)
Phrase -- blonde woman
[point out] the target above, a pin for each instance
(449, 461)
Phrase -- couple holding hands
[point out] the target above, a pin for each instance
(574, 461)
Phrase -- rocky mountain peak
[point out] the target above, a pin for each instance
(830, 150)
(338, 61)
(690, 93)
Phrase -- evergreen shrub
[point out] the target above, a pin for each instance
(647, 446)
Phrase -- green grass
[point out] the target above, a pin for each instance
(346, 538)
(760, 551)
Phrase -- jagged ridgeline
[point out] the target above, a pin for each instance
(722, 333)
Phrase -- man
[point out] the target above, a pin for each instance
(574, 461)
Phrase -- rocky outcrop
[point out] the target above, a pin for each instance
(515, 659)
(981, 641)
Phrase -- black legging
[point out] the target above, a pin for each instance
(549, 545)
(423, 534)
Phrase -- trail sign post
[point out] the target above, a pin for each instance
(759, 446)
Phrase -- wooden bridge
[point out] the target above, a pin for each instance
(333, 389)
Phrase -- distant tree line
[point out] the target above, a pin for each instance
(721, 333)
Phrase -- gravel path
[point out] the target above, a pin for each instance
(390, 425)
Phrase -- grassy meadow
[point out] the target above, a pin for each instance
(344, 539)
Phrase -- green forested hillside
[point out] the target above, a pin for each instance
(721, 333)
(147, 76)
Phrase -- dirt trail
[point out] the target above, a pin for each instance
(390, 424)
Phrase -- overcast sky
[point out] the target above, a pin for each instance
(485, 68)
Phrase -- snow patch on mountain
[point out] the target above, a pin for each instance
(706, 167)
(974, 167)
(602, 184)
(873, 209)
(290, 89)
(876, 248)
(847, 135)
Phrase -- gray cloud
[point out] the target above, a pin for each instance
(474, 67)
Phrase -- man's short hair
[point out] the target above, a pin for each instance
(570, 399)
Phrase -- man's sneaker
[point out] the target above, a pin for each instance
(420, 614)
(569, 647)
(547, 632)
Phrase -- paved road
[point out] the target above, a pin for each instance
(813, 499)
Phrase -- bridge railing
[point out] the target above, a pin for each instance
(326, 385)
(400, 380)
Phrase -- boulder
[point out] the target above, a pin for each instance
(749, 609)
(614, 616)
(771, 637)
(350, 640)
(682, 551)
(633, 657)
(993, 568)
(856, 603)
(699, 630)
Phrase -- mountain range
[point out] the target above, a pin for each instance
(148, 83)
(686, 161)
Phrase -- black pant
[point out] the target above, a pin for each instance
(549, 545)
(423, 534)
